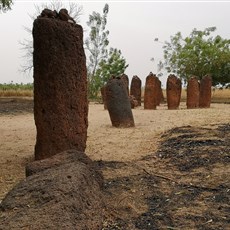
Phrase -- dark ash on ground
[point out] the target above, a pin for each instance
(184, 185)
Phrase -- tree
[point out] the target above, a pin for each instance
(102, 62)
(96, 44)
(74, 10)
(5, 5)
(198, 54)
(113, 65)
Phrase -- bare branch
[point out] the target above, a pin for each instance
(75, 11)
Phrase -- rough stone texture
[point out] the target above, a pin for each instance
(47, 13)
(205, 92)
(118, 103)
(62, 193)
(159, 92)
(133, 101)
(173, 90)
(103, 95)
(62, 15)
(135, 89)
(60, 87)
(65, 157)
(151, 92)
(125, 79)
(193, 93)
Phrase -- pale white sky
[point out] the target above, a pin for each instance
(133, 25)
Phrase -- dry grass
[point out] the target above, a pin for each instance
(16, 90)
(16, 93)
(218, 95)
(221, 95)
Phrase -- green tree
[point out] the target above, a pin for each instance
(5, 5)
(113, 64)
(198, 54)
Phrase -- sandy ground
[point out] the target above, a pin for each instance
(18, 134)
(108, 143)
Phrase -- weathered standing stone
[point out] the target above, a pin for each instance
(62, 192)
(135, 89)
(205, 92)
(173, 90)
(133, 101)
(103, 95)
(193, 93)
(151, 92)
(159, 92)
(125, 79)
(118, 103)
(60, 87)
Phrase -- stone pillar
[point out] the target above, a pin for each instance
(133, 101)
(118, 103)
(125, 79)
(135, 89)
(173, 90)
(193, 93)
(60, 86)
(159, 92)
(151, 92)
(205, 92)
(103, 95)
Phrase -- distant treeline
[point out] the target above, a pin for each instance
(16, 86)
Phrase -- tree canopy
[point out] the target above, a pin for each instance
(113, 65)
(198, 54)
(5, 5)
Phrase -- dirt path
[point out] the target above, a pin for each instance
(133, 171)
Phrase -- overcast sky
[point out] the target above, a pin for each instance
(133, 25)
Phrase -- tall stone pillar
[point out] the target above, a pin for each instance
(135, 89)
(173, 90)
(60, 85)
(103, 96)
(159, 92)
(151, 92)
(205, 92)
(125, 79)
(118, 103)
(193, 93)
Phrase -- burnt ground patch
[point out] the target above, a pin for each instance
(184, 185)
(16, 105)
(202, 147)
